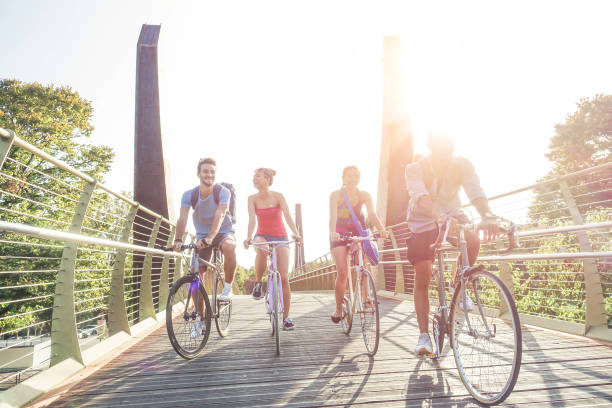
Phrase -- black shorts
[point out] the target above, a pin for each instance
(216, 243)
(418, 246)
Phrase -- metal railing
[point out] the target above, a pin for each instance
(77, 263)
(561, 276)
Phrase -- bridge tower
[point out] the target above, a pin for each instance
(396, 146)
(150, 173)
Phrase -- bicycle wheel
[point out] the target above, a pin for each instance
(182, 319)
(370, 324)
(224, 310)
(276, 313)
(347, 315)
(488, 356)
(438, 330)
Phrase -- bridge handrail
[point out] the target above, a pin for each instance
(17, 141)
(565, 256)
(102, 276)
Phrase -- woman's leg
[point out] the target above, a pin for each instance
(261, 256)
(282, 262)
(340, 258)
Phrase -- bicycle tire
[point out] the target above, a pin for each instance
(347, 315)
(275, 314)
(180, 323)
(438, 333)
(476, 366)
(224, 310)
(369, 314)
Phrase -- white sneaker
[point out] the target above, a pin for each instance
(226, 293)
(197, 328)
(424, 345)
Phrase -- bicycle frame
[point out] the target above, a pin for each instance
(358, 269)
(193, 265)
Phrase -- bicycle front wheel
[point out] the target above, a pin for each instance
(187, 329)
(486, 337)
(370, 323)
(276, 313)
(224, 309)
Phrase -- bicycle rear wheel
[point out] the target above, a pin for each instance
(370, 323)
(182, 319)
(224, 310)
(488, 351)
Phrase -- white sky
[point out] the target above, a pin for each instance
(297, 86)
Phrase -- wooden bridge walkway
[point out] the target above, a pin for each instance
(320, 366)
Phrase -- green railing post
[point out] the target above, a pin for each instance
(595, 305)
(117, 312)
(145, 304)
(163, 277)
(5, 145)
(64, 336)
(505, 274)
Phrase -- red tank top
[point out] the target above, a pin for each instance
(270, 221)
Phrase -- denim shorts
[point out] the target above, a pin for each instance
(269, 238)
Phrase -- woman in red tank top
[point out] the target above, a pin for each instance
(267, 208)
(341, 222)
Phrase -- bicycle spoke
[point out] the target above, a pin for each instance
(187, 328)
(368, 312)
(488, 349)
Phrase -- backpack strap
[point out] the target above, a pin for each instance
(216, 193)
(194, 197)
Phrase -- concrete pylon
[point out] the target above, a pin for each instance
(151, 187)
(396, 145)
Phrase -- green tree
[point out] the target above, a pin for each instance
(583, 141)
(34, 192)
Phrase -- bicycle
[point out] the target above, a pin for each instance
(184, 303)
(367, 308)
(485, 337)
(274, 290)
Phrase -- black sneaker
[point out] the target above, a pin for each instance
(257, 290)
(288, 324)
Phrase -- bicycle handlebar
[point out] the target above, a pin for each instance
(511, 231)
(356, 238)
(183, 247)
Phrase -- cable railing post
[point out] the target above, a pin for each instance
(6, 141)
(595, 305)
(64, 335)
(163, 276)
(505, 274)
(117, 311)
(399, 272)
(145, 303)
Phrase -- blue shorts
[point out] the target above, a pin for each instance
(269, 238)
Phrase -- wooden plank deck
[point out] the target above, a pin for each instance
(320, 366)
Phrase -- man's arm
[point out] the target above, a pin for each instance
(472, 188)
(420, 201)
(217, 220)
(181, 223)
